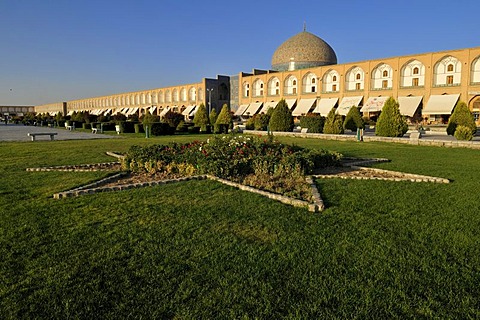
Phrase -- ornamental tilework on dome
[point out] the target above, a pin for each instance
(305, 50)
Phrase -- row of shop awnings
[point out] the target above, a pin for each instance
(437, 104)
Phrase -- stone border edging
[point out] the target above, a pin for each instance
(77, 168)
(95, 187)
(406, 176)
(115, 155)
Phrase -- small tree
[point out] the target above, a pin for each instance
(281, 119)
(461, 116)
(353, 120)
(463, 133)
(224, 120)
(213, 116)
(261, 121)
(172, 118)
(313, 122)
(201, 118)
(333, 123)
(390, 122)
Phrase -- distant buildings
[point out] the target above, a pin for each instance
(305, 73)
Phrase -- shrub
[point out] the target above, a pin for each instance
(119, 117)
(313, 122)
(281, 119)
(173, 118)
(139, 128)
(201, 118)
(250, 123)
(390, 122)
(261, 121)
(224, 120)
(353, 120)
(161, 129)
(182, 126)
(333, 123)
(463, 133)
(461, 116)
(213, 116)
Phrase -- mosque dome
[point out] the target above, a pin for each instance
(303, 50)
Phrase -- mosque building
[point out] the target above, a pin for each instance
(306, 74)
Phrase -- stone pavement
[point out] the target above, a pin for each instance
(13, 132)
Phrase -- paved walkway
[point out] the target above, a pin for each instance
(12, 132)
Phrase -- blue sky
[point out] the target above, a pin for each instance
(59, 50)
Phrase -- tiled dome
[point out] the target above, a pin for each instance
(305, 50)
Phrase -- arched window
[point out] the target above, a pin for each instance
(192, 94)
(476, 71)
(290, 85)
(330, 81)
(447, 72)
(381, 77)
(309, 83)
(246, 90)
(273, 86)
(412, 74)
(258, 88)
(354, 79)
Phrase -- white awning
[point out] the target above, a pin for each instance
(187, 111)
(194, 110)
(325, 105)
(132, 111)
(303, 106)
(374, 104)
(241, 109)
(164, 111)
(125, 111)
(290, 103)
(107, 112)
(152, 109)
(347, 103)
(69, 113)
(441, 104)
(409, 105)
(253, 108)
(268, 105)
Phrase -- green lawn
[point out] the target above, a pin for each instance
(202, 250)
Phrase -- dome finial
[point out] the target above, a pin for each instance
(304, 26)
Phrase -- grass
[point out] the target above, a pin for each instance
(204, 250)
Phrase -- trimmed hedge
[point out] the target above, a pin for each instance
(461, 116)
(390, 122)
(281, 119)
(162, 129)
(313, 122)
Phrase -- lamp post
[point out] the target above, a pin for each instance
(209, 100)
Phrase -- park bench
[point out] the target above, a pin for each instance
(33, 135)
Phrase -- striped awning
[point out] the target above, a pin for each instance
(188, 110)
(164, 111)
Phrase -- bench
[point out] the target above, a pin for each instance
(33, 135)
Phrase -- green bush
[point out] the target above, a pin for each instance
(391, 123)
(463, 133)
(333, 123)
(173, 118)
(353, 120)
(182, 126)
(261, 121)
(193, 129)
(281, 119)
(161, 129)
(250, 123)
(224, 120)
(201, 118)
(213, 116)
(313, 122)
(461, 116)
